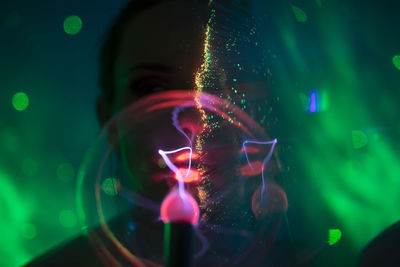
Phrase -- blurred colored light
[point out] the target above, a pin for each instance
(359, 139)
(67, 218)
(161, 163)
(334, 236)
(29, 167)
(300, 15)
(65, 172)
(20, 101)
(313, 102)
(324, 101)
(13, 19)
(110, 186)
(28, 231)
(72, 25)
(254, 169)
(9, 139)
(317, 101)
(185, 156)
(250, 150)
(183, 176)
(396, 61)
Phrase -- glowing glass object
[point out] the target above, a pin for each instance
(20, 101)
(72, 25)
(180, 208)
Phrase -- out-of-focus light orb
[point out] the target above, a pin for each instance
(300, 15)
(270, 201)
(65, 172)
(20, 101)
(186, 155)
(28, 231)
(396, 61)
(110, 186)
(187, 177)
(334, 236)
(359, 139)
(67, 218)
(72, 25)
(29, 167)
(161, 163)
(13, 19)
(251, 170)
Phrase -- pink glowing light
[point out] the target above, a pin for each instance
(255, 169)
(250, 150)
(187, 175)
(265, 161)
(186, 156)
(178, 207)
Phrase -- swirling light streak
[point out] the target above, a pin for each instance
(175, 169)
(266, 159)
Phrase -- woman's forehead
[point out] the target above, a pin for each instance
(169, 34)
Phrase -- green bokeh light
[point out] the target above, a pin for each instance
(13, 19)
(29, 167)
(396, 61)
(110, 186)
(359, 138)
(67, 218)
(28, 231)
(334, 236)
(300, 15)
(20, 101)
(65, 172)
(72, 25)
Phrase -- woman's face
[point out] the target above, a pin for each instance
(161, 50)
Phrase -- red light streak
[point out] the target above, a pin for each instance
(254, 169)
(185, 156)
(251, 150)
(182, 175)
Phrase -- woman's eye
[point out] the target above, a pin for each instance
(142, 89)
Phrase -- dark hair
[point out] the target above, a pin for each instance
(113, 37)
(109, 50)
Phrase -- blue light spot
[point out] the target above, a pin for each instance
(313, 102)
